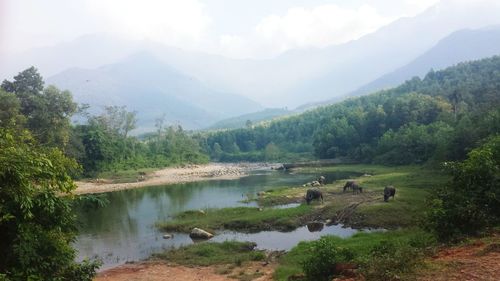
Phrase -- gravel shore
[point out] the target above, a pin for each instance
(188, 173)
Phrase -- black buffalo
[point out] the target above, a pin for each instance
(349, 184)
(313, 194)
(356, 188)
(389, 191)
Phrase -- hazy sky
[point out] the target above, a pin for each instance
(236, 28)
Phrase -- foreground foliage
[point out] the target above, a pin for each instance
(470, 202)
(392, 255)
(37, 225)
(324, 255)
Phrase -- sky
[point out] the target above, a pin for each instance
(233, 28)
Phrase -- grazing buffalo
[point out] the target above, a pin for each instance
(389, 191)
(356, 188)
(313, 194)
(322, 180)
(349, 184)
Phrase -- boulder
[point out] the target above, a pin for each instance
(198, 233)
(168, 236)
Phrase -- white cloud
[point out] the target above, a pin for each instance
(187, 23)
(302, 27)
(414, 7)
(179, 23)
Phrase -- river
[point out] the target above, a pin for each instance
(124, 229)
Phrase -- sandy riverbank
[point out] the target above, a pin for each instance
(190, 173)
(162, 271)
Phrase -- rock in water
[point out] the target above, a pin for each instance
(168, 236)
(198, 233)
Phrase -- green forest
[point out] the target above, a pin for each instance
(440, 117)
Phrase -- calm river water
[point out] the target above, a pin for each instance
(124, 229)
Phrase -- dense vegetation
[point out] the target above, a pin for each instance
(37, 225)
(102, 142)
(391, 255)
(440, 117)
(470, 202)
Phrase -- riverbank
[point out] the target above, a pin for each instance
(173, 175)
(229, 260)
(163, 271)
(402, 251)
(360, 210)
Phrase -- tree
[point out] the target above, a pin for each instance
(471, 201)
(249, 123)
(50, 120)
(117, 120)
(217, 151)
(47, 111)
(37, 225)
(272, 151)
(28, 81)
(10, 115)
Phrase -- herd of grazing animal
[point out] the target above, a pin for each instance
(316, 194)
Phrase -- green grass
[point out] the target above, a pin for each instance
(210, 253)
(240, 218)
(413, 184)
(361, 244)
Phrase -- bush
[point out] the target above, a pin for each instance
(471, 201)
(324, 254)
(389, 260)
(37, 225)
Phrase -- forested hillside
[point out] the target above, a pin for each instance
(440, 117)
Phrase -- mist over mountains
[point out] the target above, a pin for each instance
(196, 89)
(460, 46)
(154, 89)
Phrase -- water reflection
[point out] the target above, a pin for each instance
(124, 229)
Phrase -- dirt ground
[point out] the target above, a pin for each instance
(477, 261)
(190, 173)
(162, 271)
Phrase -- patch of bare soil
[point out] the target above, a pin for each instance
(162, 271)
(189, 173)
(477, 261)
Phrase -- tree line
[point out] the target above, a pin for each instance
(440, 117)
(102, 142)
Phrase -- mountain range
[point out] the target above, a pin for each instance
(196, 89)
(154, 89)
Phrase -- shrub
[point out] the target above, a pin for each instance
(471, 201)
(389, 260)
(324, 254)
(37, 224)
